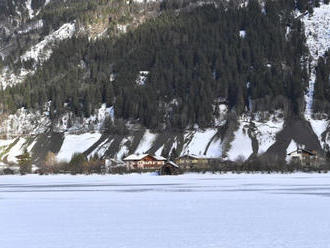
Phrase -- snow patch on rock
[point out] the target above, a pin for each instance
(38, 53)
(33, 26)
(25, 122)
(319, 127)
(146, 142)
(42, 51)
(196, 142)
(16, 150)
(159, 151)
(102, 148)
(215, 148)
(291, 148)
(124, 149)
(29, 122)
(242, 33)
(142, 77)
(28, 5)
(4, 143)
(122, 28)
(266, 133)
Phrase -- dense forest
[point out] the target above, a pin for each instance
(252, 57)
(322, 85)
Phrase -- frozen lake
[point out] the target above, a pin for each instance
(142, 211)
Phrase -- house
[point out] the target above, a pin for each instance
(189, 161)
(169, 168)
(306, 157)
(144, 161)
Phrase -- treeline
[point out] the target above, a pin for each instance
(12, 7)
(194, 58)
(57, 13)
(86, 12)
(322, 85)
(9, 7)
(308, 5)
(80, 164)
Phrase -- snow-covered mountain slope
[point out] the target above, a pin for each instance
(29, 34)
(38, 53)
(26, 122)
(251, 137)
(255, 136)
(241, 146)
(76, 144)
(317, 31)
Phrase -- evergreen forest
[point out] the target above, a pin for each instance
(254, 58)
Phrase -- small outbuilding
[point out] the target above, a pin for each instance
(189, 161)
(169, 168)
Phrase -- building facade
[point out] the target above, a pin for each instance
(305, 157)
(144, 161)
(191, 161)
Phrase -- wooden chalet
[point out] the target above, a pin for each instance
(144, 161)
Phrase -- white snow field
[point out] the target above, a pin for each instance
(76, 144)
(195, 211)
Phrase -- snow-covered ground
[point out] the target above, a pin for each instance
(266, 132)
(16, 150)
(319, 127)
(241, 146)
(76, 144)
(142, 77)
(196, 142)
(195, 211)
(200, 142)
(39, 52)
(146, 142)
(29, 8)
(317, 32)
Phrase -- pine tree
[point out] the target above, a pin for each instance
(25, 163)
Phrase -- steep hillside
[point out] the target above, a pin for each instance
(31, 29)
(174, 70)
(215, 79)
